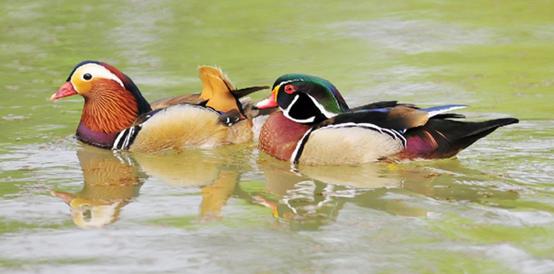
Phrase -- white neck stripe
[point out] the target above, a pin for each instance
(290, 81)
(321, 108)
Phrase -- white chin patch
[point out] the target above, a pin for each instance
(287, 110)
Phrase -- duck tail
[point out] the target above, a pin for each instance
(444, 138)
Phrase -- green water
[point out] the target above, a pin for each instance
(490, 210)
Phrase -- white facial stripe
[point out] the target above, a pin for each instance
(97, 70)
(290, 81)
(287, 110)
(321, 108)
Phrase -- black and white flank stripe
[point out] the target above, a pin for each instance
(126, 137)
(394, 134)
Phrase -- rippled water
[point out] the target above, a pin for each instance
(67, 207)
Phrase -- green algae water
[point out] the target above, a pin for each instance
(68, 207)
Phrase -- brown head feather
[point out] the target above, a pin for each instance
(109, 108)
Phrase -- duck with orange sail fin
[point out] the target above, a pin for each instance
(116, 115)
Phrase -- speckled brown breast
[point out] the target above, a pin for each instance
(279, 136)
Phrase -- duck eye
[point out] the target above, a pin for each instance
(290, 89)
(87, 76)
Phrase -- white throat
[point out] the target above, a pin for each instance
(287, 110)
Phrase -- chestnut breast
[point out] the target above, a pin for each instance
(279, 136)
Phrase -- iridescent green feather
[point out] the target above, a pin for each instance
(327, 95)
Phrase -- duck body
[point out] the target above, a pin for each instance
(179, 126)
(116, 116)
(316, 129)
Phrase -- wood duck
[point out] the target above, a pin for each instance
(116, 116)
(316, 127)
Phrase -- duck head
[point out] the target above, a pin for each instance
(112, 101)
(305, 99)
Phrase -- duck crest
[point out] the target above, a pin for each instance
(142, 105)
(323, 91)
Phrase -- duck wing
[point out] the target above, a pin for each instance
(399, 117)
(217, 92)
(380, 104)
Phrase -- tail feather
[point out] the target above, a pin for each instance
(442, 138)
(480, 130)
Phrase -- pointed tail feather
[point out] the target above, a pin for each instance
(445, 138)
(480, 130)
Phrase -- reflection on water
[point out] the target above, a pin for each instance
(112, 180)
(109, 184)
(232, 210)
(314, 196)
(208, 170)
(307, 198)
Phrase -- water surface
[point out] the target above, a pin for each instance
(68, 207)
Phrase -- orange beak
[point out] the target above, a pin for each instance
(269, 102)
(64, 91)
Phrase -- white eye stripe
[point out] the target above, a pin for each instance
(290, 81)
(97, 70)
(320, 107)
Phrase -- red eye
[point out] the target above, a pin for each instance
(290, 89)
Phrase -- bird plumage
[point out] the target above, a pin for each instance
(326, 131)
(116, 115)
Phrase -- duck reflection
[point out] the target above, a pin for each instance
(314, 196)
(110, 183)
(216, 172)
(306, 199)
(111, 180)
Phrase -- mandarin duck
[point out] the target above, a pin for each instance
(316, 127)
(116, 115)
